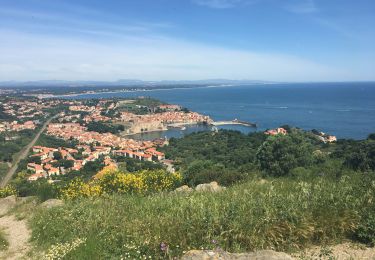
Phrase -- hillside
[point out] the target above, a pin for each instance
(281, 214)
(289, 193)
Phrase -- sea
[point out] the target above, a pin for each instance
(346, 110)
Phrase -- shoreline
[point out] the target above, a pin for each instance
(182, 127)
(156, 89)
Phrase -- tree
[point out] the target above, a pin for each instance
(57, 155)
(371, 136)
(282, 153)
(361, 157)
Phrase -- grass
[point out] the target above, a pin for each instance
(3, 241)
(3, 169)
(279, 214)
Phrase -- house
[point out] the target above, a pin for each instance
(276, 131)
(35, 176)
(331, 138)
(42, 155)
(146, 157)
(156, 155)
(53, 171)
(37, 168)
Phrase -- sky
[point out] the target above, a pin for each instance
(272, 40)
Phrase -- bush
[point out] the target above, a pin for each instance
(7, 191)
(110, 180)
(280, 154)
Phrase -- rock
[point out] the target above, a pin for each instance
(219, 255)
(52, 203)
(262, 181)
(7, 203)
(184, 188)
(209, 187)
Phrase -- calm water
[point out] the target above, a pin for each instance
(346, 110)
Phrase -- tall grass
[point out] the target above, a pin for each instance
(3, 241)
(280, 214)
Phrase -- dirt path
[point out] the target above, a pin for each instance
(17, 235)
(23, 154)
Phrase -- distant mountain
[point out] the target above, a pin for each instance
(125, 82)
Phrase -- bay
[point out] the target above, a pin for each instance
(346, 110)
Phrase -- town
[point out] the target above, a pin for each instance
(98, 128)
(100, 131)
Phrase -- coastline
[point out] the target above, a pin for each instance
(155, 89)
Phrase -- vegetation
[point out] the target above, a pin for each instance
(279, 155)
(132, 165)
(7, 191)
(230, 156)
(12, 143)
(54, 142)
(285, 192)
(104, 127)
(281, 213)
(3, 241)
(141, 106)
(3, 170)
(226, 156)
(110, 180)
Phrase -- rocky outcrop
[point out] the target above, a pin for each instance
(221, 255)
(209, 187)
(205, 187)
(184, 189)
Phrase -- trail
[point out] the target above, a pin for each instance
(17, 235)
(16, 231)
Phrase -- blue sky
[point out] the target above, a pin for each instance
(277, 40)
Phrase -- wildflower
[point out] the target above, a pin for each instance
(163, 247)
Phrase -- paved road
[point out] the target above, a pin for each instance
(23, 155)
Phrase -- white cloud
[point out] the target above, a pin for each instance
(83, 48)
(34, 57)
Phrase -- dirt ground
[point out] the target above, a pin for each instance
(17, 235)
(16, 231)
(344, 251)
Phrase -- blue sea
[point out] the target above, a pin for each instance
(346, 110)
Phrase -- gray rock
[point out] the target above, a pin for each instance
(209, 187)
(52, 203)
(7, 203)
(219, 255)
(184, 188)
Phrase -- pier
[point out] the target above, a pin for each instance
(234, 122)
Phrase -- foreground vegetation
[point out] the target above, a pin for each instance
(3, 241)
(283, 214)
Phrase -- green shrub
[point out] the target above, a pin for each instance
(282, 153)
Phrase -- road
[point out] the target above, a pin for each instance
(23, 155)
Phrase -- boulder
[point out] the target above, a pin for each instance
(209, 187)
(52, 203)
(184, 189)
(221, 255)
(7, 203)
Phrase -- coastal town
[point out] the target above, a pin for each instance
(101, 131)
(98, 128)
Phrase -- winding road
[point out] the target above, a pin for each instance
(23, 155)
